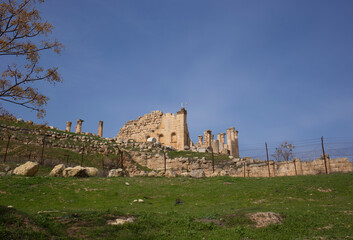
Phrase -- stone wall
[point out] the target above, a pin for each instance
(169, 129)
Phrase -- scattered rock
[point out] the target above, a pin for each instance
(121, 220)
(127, 184)
(57, 171)
(170, 173)
(152, 174)
(324, 190)
(116, 172)
(2, 173)
(7, 168)
(77, 171)
(28, 169)
(264, 219)
(326, 227)
(91, 171)
(199, 173)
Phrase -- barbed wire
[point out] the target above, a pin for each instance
(305, 149)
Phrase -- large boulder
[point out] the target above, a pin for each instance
(77, 171)
(91, 171)
(116, 172)
(57, 171)
(199, 173)
(27, 169)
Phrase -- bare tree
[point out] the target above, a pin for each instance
(24, 34)
(284, 152)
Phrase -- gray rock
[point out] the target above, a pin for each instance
(116, 173)
(199, 173)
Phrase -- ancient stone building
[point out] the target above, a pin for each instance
(169, 129)
(219, 145)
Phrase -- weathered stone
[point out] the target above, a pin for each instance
(264, 219)
(198, 173)
(77, 171)
(57, 171)
(152, 174)
(168, 129)
(152, 140)
(170, 173)
(91, 171)
(116, 172)
(27, 169)
(121, 220)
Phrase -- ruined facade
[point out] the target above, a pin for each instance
(219, 145)
(169, 129)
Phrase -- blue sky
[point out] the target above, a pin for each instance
(275, 70)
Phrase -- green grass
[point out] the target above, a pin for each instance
(82, 207)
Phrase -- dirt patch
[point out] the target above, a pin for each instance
(121, 220)
(324, 190)
(264, 219)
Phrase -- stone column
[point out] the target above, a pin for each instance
(100, 129)
(221, 140)
(79, 126)
(207, 135)
(233, 148)
(68, 126)
(236, 144)
(215, 146)
(200, 141)
(229, 141)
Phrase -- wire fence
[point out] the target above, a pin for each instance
(306, 150)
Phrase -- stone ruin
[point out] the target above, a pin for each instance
(219, 145)
(169, 129)
(156, 159)
(172, 130)
(78, 128)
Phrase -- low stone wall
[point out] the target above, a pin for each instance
(242, 167)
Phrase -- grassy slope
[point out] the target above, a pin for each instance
(84, 205)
